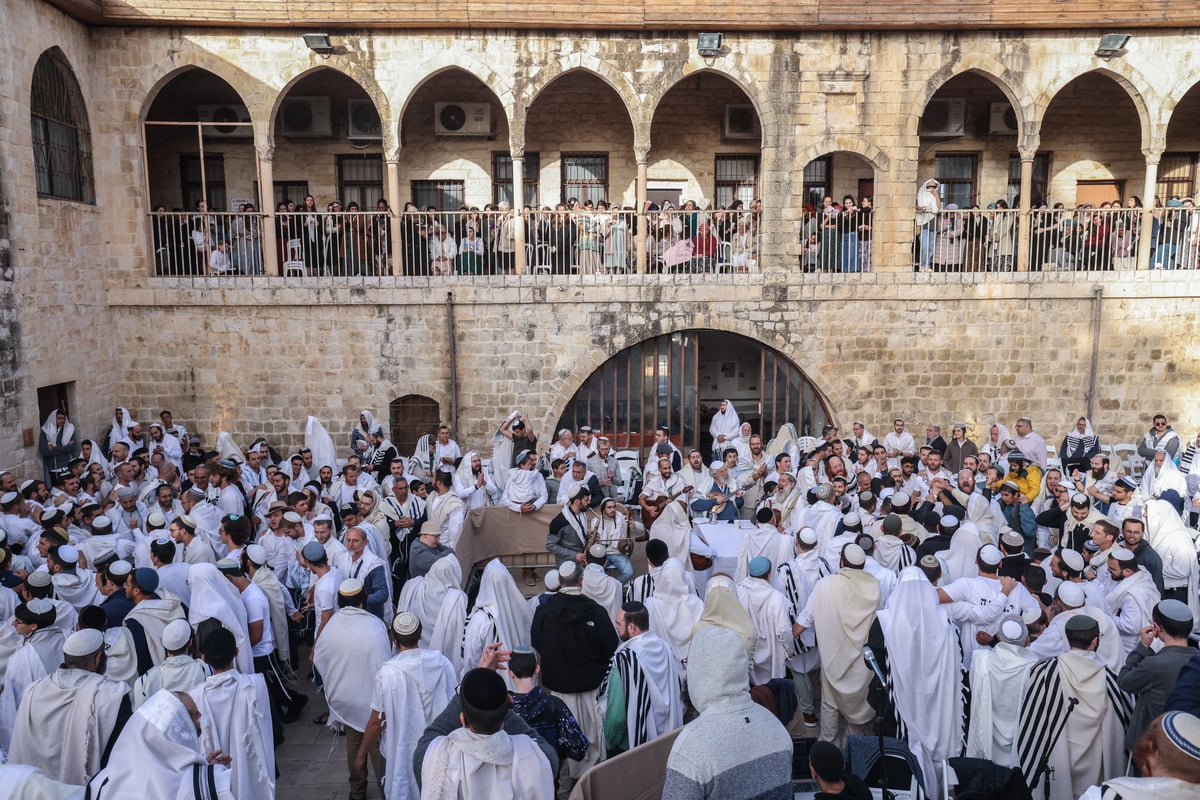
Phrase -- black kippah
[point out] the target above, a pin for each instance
(827, 761)
(483, 689)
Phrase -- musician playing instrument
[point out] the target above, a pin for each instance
(657, 489)
(609, 526)
(724, 499)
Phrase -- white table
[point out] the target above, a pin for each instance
(725, 540)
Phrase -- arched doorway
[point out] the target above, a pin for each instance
(679, 380)
(411, 417)
(836, 236)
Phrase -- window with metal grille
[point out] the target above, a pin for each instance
(360, 180)
(956, 172)
(1041, 178)
(502, 177)
(736, 179)
(62, 141)
(818, 181)
(1176, 176)
(203, 181)
(585, 176)
(442, 195)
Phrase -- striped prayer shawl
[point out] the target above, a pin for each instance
(637, 696)
(1185, 460)
(1045, 707)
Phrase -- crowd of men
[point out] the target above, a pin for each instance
(966, 599)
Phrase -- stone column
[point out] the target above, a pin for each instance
(266, 204)
(1024, 229)
(643, 222)
(393, 198)
(518, 182)
(1147, 221)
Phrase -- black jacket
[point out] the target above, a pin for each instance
(576, 640)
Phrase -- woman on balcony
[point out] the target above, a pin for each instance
(1041, 238)
(414, 241)
(830, 236)
(358, 241)
(335, 228)
(442, 251)
(470, 253)
(1001, 237)
(947, 246)
(312, 234)
(865, 210)
(741, 246)
(616, 241)
(1096, 252)
(561, 239)
(590, 241)
(705, 249)
(381, 236)
(848, 227)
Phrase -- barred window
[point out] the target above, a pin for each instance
(62, 142)
(360, 180)
(502, 176)
(1176, 176)
(444, 195)
(585, 176)
(735, 179)
(818, 181)
(958, 173)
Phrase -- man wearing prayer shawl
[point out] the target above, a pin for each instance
(500, 615)
(149, 617)
(1171, 539)
(68, 721)
(56, 444)
(925, 673)
(178, 672)
(166, 445)
(604, 589)
(1072, 602)
(352, 648)
(767, 606)
(235, 717)
(1091, 747)
(641, 695)
(409, 691)
(1130, 598)
(473, 484)
(999, 676)
(446, 510)
(369, 567)
(724, 429)
(525, 490)
(1168, 758)
(579, 475)
(441, 606)
(976, 603)
(674, 610)
(38, 653)
(697, 475)
(217, 602)
(842, 608)
(765, 541)
(159, 756)
(674, 527)
(480, 760)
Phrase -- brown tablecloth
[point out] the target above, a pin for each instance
(499, 531)
(638, 774)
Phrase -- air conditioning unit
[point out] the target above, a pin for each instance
(1002, 119)
(362, 121)
(462, 119)
(741, 122)
(218, 119)
(301, 117)
(944, 118)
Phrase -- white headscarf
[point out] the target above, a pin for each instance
(154, 755)
(317, 439)
(214, 597)
(464, 478)
(500, 598)
(50, 428)
(674, 609)
(1001, 436)
(226, 448)
(725, 423)
(119, 430)
(370, 424)
(426, 601)
(97, 457)
(1157, 480)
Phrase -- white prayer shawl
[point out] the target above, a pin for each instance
(604, 589)
(823, 518)
(1140, 789)
(798, 577)
(1053, 641)
(650, 682)
(180, 673)
(502, 455)
(411, 689)
(675, 529)
(119, 430)
(469, 492)
(674, 610)
(926, 673)
(501, 614)
(999, 676)
(791, 510)
(97, 457)
(701, 481)
(1130, 603)
(64, 723)
(495, 767)
(120, 655)
(725, 423)
(154, 614)
(960, 558)
(524, 486)
(1091, 748)
(774, 643)
(1155, 481)
(441, 606)
(352, 647)
(266, 580)
(367, 563)
(214, 597)
(77, 588)
(226, 448)
(25, 667)
(891, 552)
(446, 514)
(22, 782)
(842, 608)
(567, 484)
(765, 542)
(235, 718)
(157, 756)
(992, 448)
(51, 429)
(1173, 542)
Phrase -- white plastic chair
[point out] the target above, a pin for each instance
(293, 263)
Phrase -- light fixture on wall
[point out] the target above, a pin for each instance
(709, 44)
(319, 43)
(1112, 45)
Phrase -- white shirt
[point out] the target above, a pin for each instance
(258, 609)
(448, 450)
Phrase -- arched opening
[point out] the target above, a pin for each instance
(968, 143)
(679, 380)
(455, 160)
(62, 138)
(835, 231)
(201, 169)
(411, 417)
(1177, 184)
(706, 144)
(329, 146)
